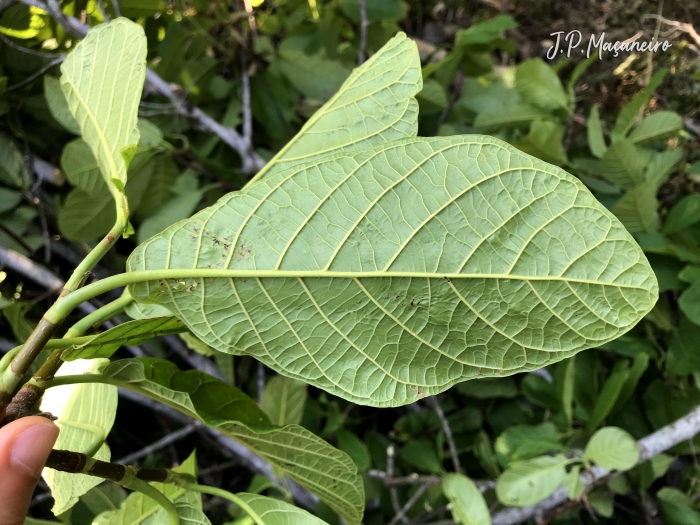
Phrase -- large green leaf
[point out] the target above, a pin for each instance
(362, 273)
(376, 104)
(129, 333)
(275, 512)
(102, 80)
(468, 505)
(298, 453)
(85, 416)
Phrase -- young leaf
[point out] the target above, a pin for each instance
(371, 236)
(629, 113)
(530, 481)
(596, 141)
(539, 85)
(468, 505)
(85, 416)
(300, 454)
(129, 333)
(612, 448)
(376, 104)
(283, 400)
(660, 125)
(275, 512)
(102, 80)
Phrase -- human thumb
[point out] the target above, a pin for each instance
(25, 445)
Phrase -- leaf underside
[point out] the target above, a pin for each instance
(411, 266)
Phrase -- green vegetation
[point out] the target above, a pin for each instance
(403, 261)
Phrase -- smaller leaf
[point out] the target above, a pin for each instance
(630, 112)
(530, 481)
(596, 141)
(677, 508)
(637, 209)
(609, 393)
(603, 501)
(468, 505)
(684, 213)
(355, 448)
(275, 512)
(661, 165)
(683, 357)
(520, 442)
(129, 333)
(612, 448)
(507, 117)
(544, 141)
(13, 171)
(422, 455)
(660, 125)
(283, 400)
(58, 105)
(572, 483)
(85, 217)
(539, 85)
(623, 164)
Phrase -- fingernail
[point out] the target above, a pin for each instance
(32, 447)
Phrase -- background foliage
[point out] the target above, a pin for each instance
(626, 126)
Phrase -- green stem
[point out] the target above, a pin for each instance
(213, 491)
(156, 495)
(99, 316)
(99, 251)
(32, 391)
(49, 323)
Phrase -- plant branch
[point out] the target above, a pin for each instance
(433, 401)
(681, 430)
(401, 515)
(364, 24)
(56, 61)
(161, 443)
